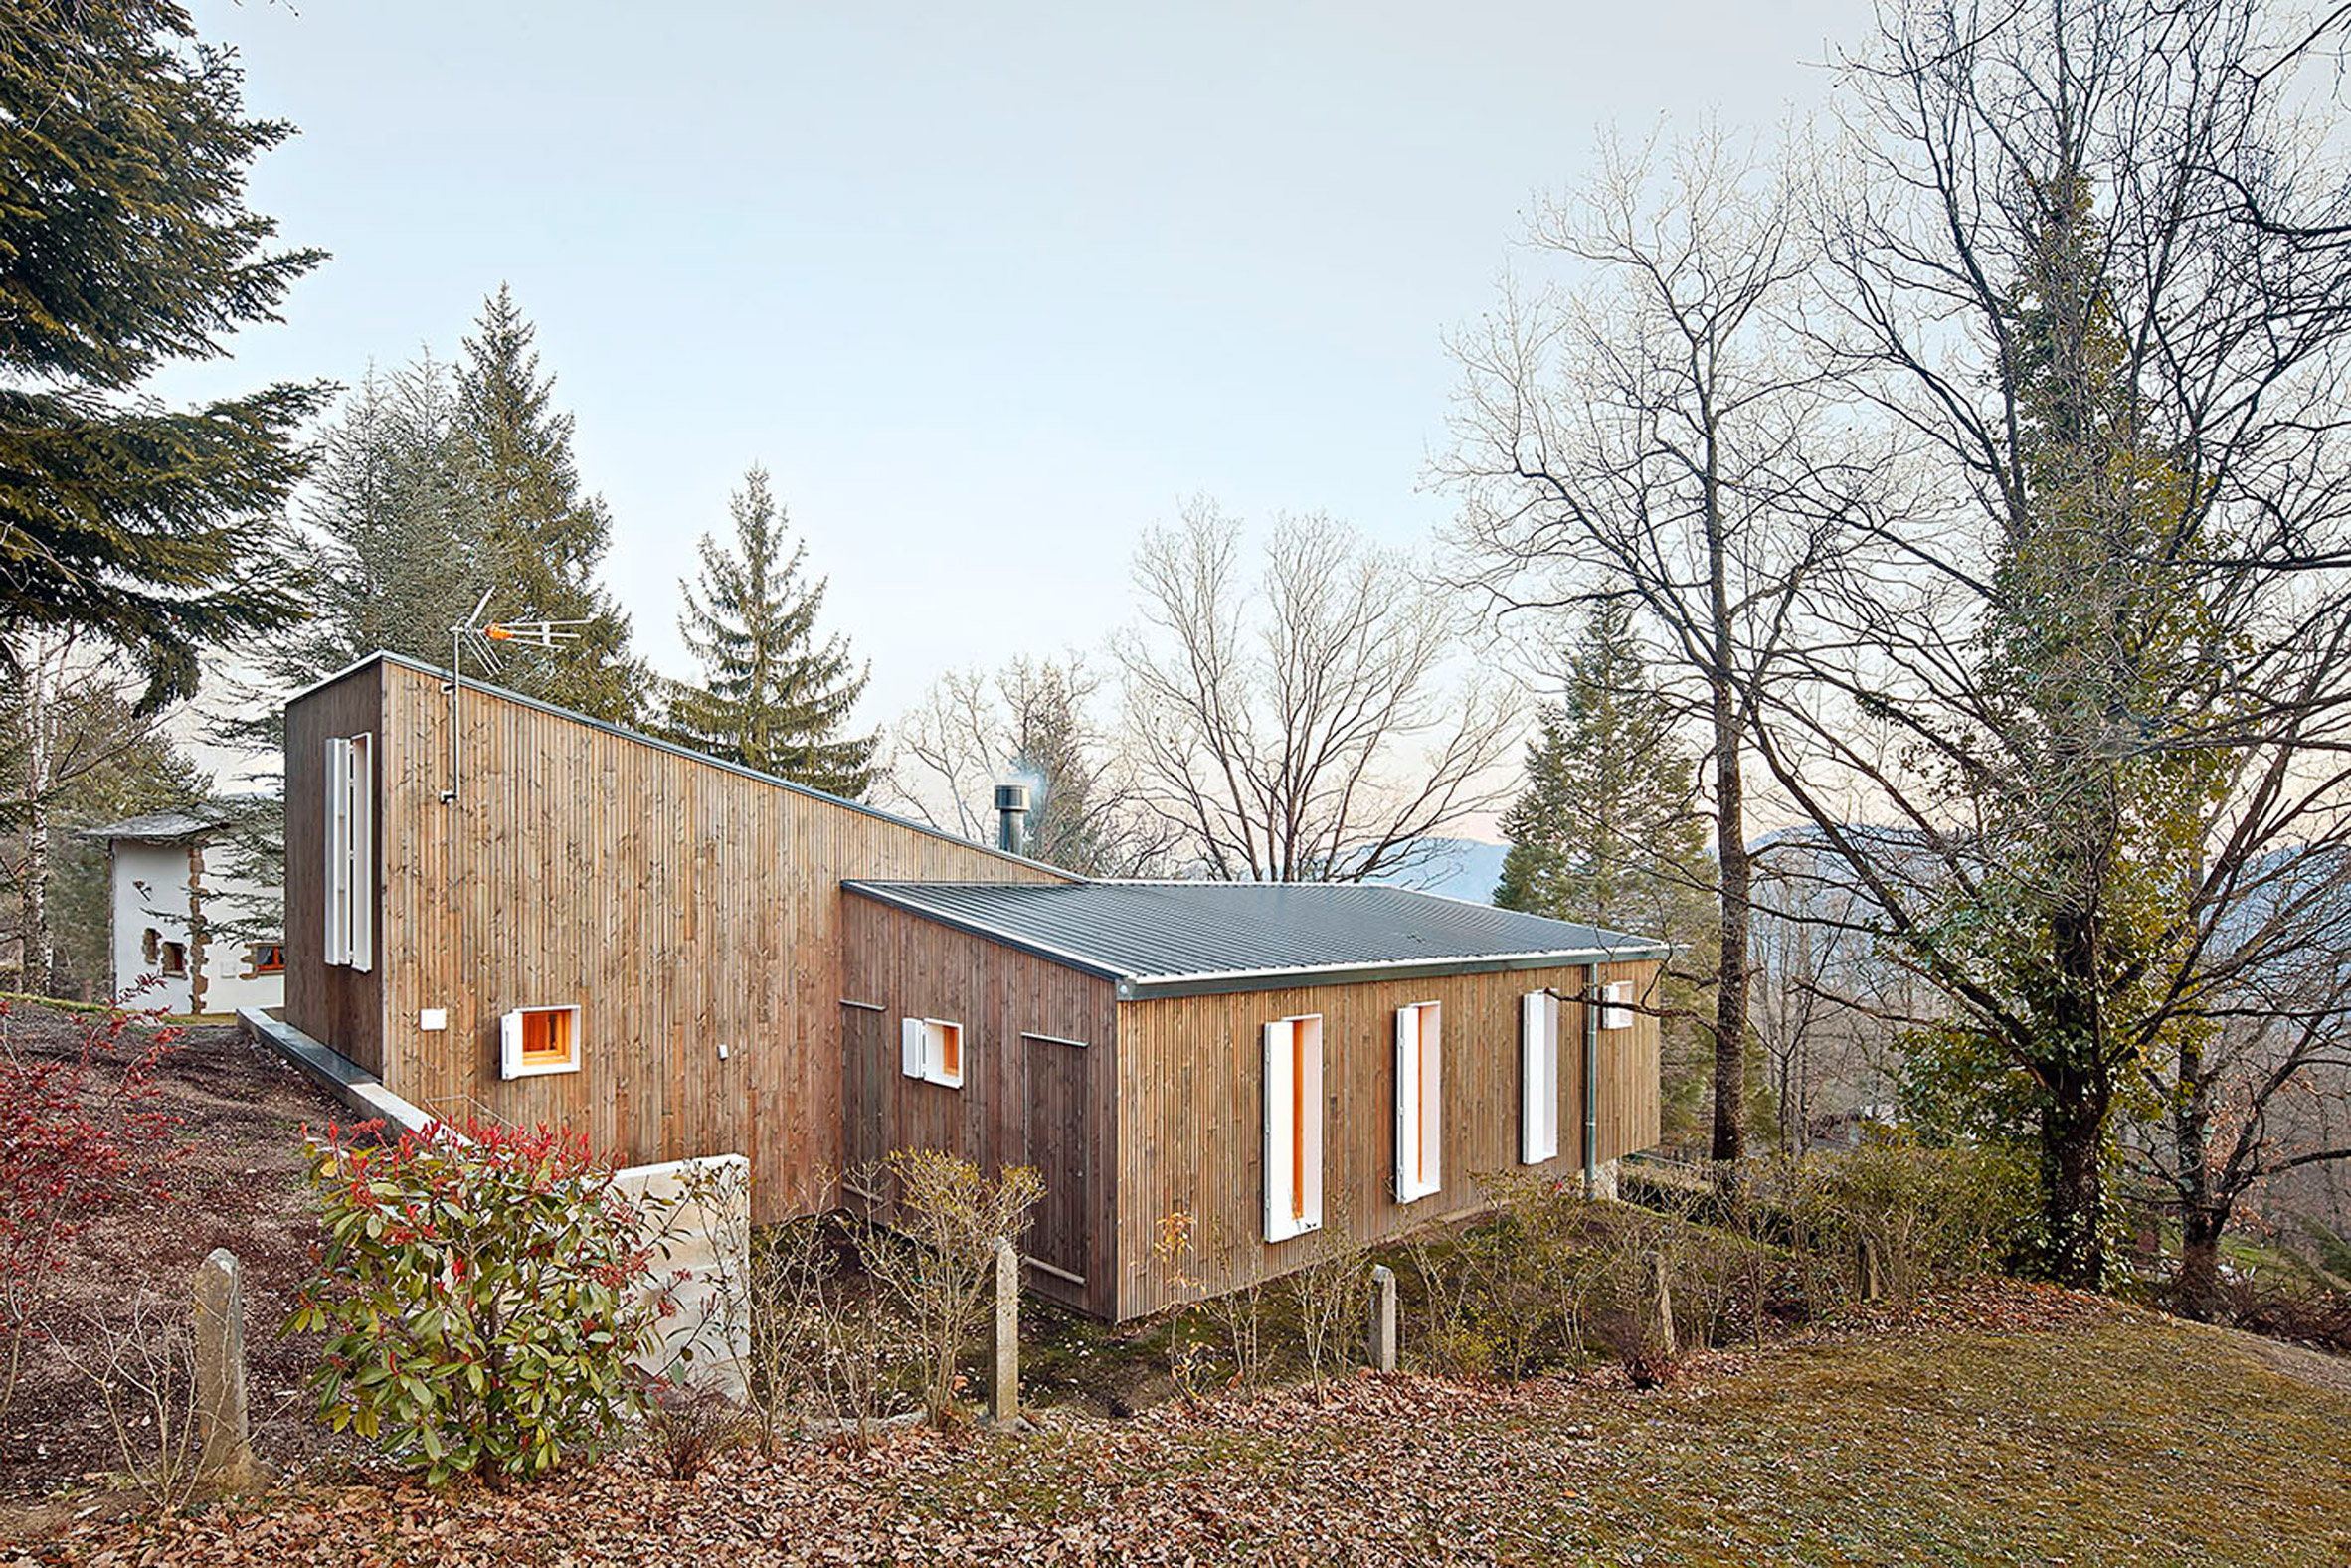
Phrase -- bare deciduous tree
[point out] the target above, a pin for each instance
(2091, 680)
(1034, 722)
(1304, 727)
(1648, 433)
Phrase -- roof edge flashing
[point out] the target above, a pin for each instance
(1153, 987)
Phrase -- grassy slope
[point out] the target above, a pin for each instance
(2128, 1441)
(2111, 1440)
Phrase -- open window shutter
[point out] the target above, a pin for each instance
(1280, 1221)
(1539, 1078)
(1419, 1100)
(912, 1039)
(338, 794)
(1407, 1103)
(359, 850)
(1432, 1097)
(510, 1044)
(1308, 1169)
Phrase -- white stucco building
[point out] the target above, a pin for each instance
(169, 904)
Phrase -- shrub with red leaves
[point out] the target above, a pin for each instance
(80, 1134)
(482, 1290)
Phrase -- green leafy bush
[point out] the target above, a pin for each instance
(482, 1296)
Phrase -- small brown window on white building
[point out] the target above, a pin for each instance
(174, 961)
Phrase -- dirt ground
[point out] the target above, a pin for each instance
(235, 1181)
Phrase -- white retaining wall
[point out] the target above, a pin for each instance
(698, 1224)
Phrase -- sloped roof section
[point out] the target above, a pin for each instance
(155, 826)
(1191, 937)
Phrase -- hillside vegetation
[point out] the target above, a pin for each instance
(2011, 1426)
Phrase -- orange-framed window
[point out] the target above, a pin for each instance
(932, 1049)
(265, 958)
(1420, 1121)
(1293, 1126)
(536, 1040)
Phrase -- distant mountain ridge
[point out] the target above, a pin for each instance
(1462, 868)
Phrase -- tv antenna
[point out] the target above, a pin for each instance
(483, 637)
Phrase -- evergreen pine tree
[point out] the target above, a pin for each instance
(1606, 831)
(771, 696)
(541, 538)
(126, 245)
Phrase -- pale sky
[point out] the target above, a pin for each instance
(987, 290)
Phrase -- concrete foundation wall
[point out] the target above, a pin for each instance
(698, 1225)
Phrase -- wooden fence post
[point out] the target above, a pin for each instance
(1383, 1318)
(1661, 1290)
(227, 1457)
(1005, 1396)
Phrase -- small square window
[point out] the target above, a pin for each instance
(536, 1040)
(174, 961)
(932, 1049)
(265, 958)
(1616, 1005)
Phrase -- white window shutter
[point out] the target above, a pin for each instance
(337, 798)
(1310, 1058)
(913, 1040)
(1280, 1223)
(1419, 1100)
(1408, 1103)
(1432, 1097)
(510, 1044)
(1539, 1078)
(359, 848)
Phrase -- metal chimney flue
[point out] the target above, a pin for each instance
(1011, 813)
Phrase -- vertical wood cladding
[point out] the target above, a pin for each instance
(1191, 1134)
(337, 1006)
(682, 904)
(679, 903)
(1039, 1078)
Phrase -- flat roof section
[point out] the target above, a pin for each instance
(1182, 938)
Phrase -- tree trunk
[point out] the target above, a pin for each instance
(2197, 1293)
(1737, 912)
(2074, 1180)
(37, 953)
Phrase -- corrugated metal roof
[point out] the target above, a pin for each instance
(1172, 937)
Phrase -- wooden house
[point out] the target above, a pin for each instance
(504, 909)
